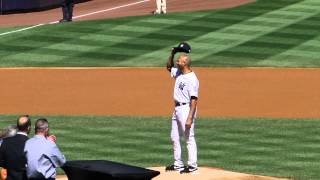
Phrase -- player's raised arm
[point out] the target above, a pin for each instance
(170, 63)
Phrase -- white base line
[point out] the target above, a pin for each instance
(77, 17)
(19, 30)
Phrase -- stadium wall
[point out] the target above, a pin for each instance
(16, 6)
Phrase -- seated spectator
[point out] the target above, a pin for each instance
(42, 153)
(11, 151)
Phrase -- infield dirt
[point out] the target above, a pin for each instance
(225, 92)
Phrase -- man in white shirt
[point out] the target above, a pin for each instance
(42, 153)
(185, 101)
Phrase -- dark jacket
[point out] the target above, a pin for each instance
(12, 157)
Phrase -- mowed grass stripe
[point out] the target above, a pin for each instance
(241, 38)
(146, 57)
(295, 54)
(251, 48)
(307, 50)
(255, 22)
(43, 36)
(156, 34)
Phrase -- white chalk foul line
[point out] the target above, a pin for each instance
(19, 30)
(77, 17)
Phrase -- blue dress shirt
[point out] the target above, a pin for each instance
(43, 157)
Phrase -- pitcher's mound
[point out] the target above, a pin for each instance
(203, 173)
(207, 173)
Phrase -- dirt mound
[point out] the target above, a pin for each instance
(204, 173)
(208, 173)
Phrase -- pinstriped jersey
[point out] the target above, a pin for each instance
(186, 85)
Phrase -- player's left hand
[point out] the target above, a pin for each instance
(188, 123)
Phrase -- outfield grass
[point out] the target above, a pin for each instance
(273, 147)
(8, 29)
(268, 33)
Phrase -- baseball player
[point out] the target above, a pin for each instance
(185, 106)
(161, 7)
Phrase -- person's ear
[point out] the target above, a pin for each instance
(29, 129)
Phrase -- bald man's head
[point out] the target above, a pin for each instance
(24, 123)
(183, 61)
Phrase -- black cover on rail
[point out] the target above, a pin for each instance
(102, 170)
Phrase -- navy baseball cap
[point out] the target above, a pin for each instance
(183, 47)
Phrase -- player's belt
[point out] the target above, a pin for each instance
(180, 104)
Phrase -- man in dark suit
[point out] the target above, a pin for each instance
(12, 155)
(67, 10)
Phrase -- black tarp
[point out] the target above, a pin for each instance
(105, 170)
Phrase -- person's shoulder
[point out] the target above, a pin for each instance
(193, 77)
(175, 72)
(33, 139)
(12, 140)
(30, 140)
(21, 136)
(9, 139)
(50, 144)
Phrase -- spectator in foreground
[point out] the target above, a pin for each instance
(42, 153)
(8, 132)
(11, 151)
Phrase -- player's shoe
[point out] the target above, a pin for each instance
(156, 12)
(65, 20)
(174, 168)
(188, 169)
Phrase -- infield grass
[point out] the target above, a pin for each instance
(268, 33)
(273, 147)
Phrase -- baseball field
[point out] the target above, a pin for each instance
(101, 82)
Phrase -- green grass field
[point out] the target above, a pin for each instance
(268, 33)
(274, 147)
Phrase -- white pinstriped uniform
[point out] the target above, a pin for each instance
(161, 6)
(186, 85)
